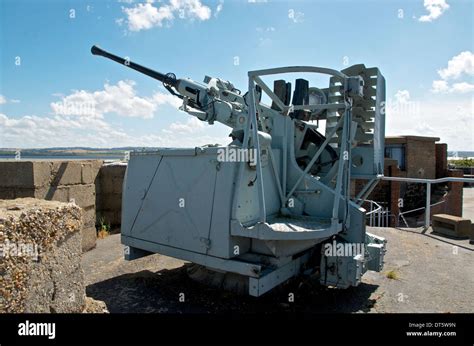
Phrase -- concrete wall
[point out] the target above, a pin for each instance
(109, 194)
(56, 180)
(40, 250)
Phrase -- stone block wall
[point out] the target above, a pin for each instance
(109, 194)
(56, 180)
(40, 257)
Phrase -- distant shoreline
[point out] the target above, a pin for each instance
(63, 157)
(76, 153)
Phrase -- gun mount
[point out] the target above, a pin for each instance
(275, 203)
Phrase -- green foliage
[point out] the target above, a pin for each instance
(392, 274)
(462, 162)
(104, 228)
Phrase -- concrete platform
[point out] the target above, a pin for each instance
(432, 274)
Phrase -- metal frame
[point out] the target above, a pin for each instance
(231, 265)
(252, 132)
(263, 284)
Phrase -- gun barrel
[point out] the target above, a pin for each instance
(95, 50)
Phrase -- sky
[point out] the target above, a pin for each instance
(53, 92)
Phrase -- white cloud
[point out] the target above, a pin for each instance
(192, 125)
(219, 8)
(160, 99)
(435, 9)
(146, 16)
(4, 100)
(459, 66)
(35, 131)
(451, 118)
(74, 123)
(463, 87)
(425, 129)
(439, 86)
(462, 63)
(120, 99)
(70, 131)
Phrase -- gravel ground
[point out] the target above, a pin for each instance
(429, 274)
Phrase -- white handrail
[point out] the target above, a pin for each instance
(428, 183)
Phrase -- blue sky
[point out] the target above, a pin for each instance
(423, 48)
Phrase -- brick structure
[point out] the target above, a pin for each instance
(419, 153)
(441, 160)
(394, 171)
(452, 200)
(415, 157)
(56, 180)
(455, 193)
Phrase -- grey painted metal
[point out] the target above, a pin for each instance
(235, 266)
(293, 69)
(259, 286)
(261, 218)
(366, 190)
(340, 171)
(428, 206)
(315, 157)
(277, 178)
(282, 229)
(255, 138)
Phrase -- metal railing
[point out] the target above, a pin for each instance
(402, 215)
(377, 216)
(428, 183)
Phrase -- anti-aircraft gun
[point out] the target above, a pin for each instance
(276, 202)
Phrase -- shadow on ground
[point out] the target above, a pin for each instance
(159, 292)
